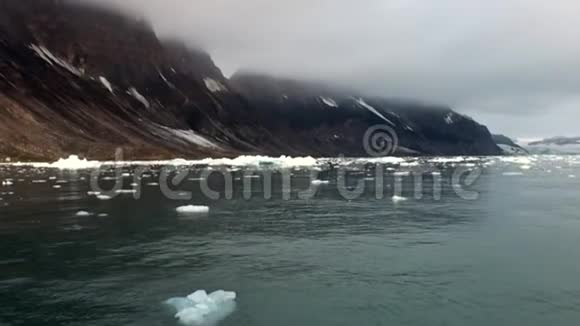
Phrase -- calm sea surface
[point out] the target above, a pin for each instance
(510, 255)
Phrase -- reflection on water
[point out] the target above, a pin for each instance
(508, 257)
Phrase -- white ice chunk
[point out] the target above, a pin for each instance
(319, 182)
(126, 191)
(82, 213)
(192, 209)
(7, 183)
(104, 197)
(512, 173)
(201, 309)
(73, 162)
(199, 296)
(397, 199)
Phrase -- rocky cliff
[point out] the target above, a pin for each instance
(86, 80)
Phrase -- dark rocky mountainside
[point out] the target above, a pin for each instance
(509, 146)
(84, 80)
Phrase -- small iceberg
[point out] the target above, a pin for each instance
(73, 162)
(191, 209)
(202, 309)
(82, 213)
(398, 199)
(512, 174)
(319, 182)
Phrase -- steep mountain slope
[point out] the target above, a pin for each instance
(508, 146)
(84, 80)
(335, 120)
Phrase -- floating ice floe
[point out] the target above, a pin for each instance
(456, 159)
(258, 161)
(397, 199)
(201, 309)
(522, 160)
(73, 162)
(39, 181)
(56, 186)
(192, 209)
(512, 173)
(319, 182)
(7, 183)
(126, 191)
(82, 213)
(104, 197)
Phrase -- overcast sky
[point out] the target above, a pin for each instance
(511, 64)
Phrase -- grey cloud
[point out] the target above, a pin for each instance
(503, 60)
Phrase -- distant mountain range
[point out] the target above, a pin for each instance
(554, 145)
(84, 80)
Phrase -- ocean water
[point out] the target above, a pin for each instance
(482, 241)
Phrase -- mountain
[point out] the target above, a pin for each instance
(509, 146)
(558, 141)
(554, 145)
(78, 79)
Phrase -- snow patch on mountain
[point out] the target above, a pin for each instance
(52, 59)
(214, 86)
(329, 102)
(362, 103)
(106, 83)
(135, 93)
(449, 118)
(190, 136)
